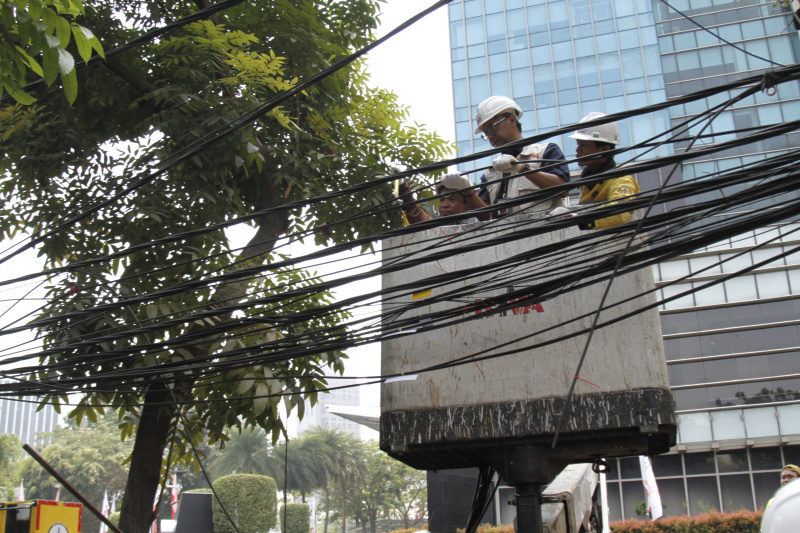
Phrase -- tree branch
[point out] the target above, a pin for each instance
(140, 84)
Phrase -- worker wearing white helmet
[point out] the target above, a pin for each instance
(498, 121)
(452, 202)
(598, 140)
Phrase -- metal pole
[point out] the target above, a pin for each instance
(50, 470)
(529, 508)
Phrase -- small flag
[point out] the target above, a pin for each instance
(173, 497)
(650, 488)
(20, 492)
(104, 510)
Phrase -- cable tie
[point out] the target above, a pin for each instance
(770, 82)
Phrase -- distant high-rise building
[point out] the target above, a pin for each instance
(21, 418)
(319, 415)
(733, 350)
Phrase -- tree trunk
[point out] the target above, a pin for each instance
(327, 508)
(145, 473)
(344, 505)
(153, 433)
(373, 521)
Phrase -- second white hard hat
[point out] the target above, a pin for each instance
(493, 106)
(604, 133)
(783, 514)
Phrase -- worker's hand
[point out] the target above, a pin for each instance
(404, 189)
(507, 163)
(456, 181)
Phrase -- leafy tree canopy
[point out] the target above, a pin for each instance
(91, 457)
(40, 39)
(181, 365)
(10, 450)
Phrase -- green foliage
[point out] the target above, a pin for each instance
(34, 37)
(56, 159)
(92, 458)
(641, 508)
(250, 500)
(246, 452)
(387, 486)
(714, 522)
(410, 529)
(488, 528)
(297, 518)
(114, 517)
(10, 455)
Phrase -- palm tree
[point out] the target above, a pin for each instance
(245, 453)
(347, 460)
(309, 465)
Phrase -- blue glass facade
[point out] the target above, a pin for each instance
(560, 60)
(733, 349)
(693, 59)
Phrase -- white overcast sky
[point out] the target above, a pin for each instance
(415, 64)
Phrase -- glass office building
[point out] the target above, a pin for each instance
(24, 419)
(733, 351)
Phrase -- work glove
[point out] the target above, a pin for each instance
(456, 181)
(507, 163)
(560, 211)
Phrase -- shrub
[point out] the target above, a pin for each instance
(413, 529)
(713, 522)
(250, 500)
(114, 517)
(298, 515)
(488, 528)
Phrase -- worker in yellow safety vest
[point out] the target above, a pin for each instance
(596, 140)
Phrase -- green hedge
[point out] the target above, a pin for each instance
(714, 522)
(488, 528)
(420, 528)
(250, 500)
(298, 515)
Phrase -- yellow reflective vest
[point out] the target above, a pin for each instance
(606, 192)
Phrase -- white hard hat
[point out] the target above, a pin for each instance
(493, 106)
(604, 133)
(784, 513)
